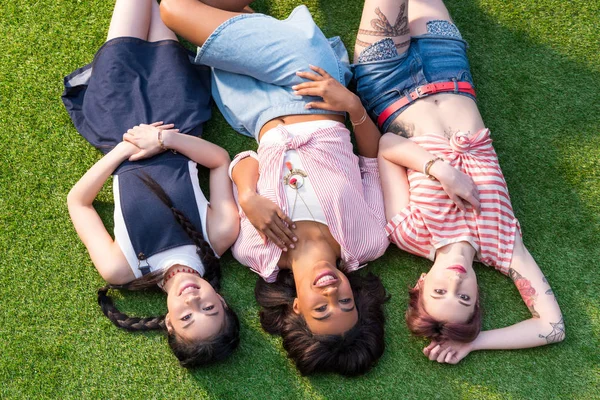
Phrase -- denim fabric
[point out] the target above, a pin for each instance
(254, 59)
(430, 58)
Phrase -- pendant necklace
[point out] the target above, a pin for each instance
(295, 179)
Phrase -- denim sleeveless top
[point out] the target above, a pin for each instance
(150, 224)
(254, 60)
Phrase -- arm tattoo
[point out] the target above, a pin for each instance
(557, 334)
(401, 129)
(527, 291)
(382, 27)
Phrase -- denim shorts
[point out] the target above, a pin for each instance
(383, 76)
(254, 59)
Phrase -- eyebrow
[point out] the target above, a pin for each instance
(459, 302)
(328, 315)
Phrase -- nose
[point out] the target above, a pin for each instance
(191, 299)
(330, 290)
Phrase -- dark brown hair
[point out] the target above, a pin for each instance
(189, 353)
(420, 323)
(352, 353)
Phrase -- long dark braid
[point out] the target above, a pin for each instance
(210, 261)
(189, 354)
(123, 320)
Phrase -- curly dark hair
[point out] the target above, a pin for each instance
(350, 354)
(189, 353)
(420, 323)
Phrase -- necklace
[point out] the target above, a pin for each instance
(175, 269)
(295, 179)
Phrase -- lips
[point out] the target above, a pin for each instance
(190, 287)
(458, 268)
(325, 279)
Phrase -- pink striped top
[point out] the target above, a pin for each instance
(347, 187)
(432, 220)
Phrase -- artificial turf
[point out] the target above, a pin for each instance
(536, 65)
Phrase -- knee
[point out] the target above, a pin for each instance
(169, 9)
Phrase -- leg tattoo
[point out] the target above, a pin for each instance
(527, 292)
(382, 27)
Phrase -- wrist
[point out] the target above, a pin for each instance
(123, 150)
(167, 139)
(355, 110)
(434, 168)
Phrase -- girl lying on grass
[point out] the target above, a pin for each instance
(166, 232)
(311, 211)
(445, 195)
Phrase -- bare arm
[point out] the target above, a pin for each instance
(222, 215)
(266, 217)
(104, 251)
(336, 97)
(545, 326)
(405, 153)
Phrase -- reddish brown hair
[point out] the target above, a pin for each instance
(420, 323)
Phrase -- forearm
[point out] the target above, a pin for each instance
(529, 333)
(197, 149)
(87, 188)
(366, 132)
(406, 153)
(245, 177)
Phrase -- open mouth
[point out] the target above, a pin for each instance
(189, 288)
(325, 279)
(458, 268)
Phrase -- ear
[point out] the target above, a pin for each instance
(168, 324)
(296, 306)
(420, 281)
(223, 301)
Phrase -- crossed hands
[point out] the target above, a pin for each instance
(141, 141)
(448, 352)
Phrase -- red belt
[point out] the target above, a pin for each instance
(422, 91)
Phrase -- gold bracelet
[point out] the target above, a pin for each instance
(360, 121)
(428, 165)
(162, 144)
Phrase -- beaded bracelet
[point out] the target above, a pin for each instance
(427, 167)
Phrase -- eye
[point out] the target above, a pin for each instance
(186, 317)
(345, 301)
(465, 297)
(208, 308)
(322, 308)
(440, 291)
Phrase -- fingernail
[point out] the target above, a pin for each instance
(298, 72)
(307, 106)
(294, 87)
(296, 92)
(295, 238)
(294, 226)
(284, 249)
(292, 246)
(310, 65)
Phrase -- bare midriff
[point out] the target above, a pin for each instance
(294, 119)
(441, 114)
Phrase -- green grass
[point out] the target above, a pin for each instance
(537, 67)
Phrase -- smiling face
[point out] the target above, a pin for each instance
(196, 310)
(325, 300)
(449, 292)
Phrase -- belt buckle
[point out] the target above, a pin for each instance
(418, 92)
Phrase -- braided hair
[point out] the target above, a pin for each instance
(190, 353)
